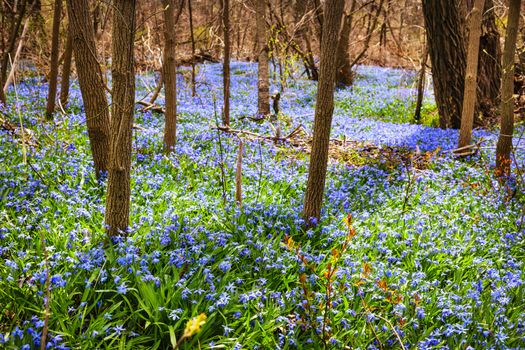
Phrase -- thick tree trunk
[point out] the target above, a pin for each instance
(91, 82)
(226, 61)
(169, 74)
(469, 99)
(323, 112)
(66, 68)
(445, 36)
(263, 83)
(123, 74)
(53, 73)
(504, 146)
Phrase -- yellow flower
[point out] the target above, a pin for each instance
(194, 325)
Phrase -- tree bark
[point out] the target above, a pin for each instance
(445, 37)
(169, 74)
(53, 73)
(489, 68)
(421, 85)
(504, 146)
(345, 76)
(192, 38)
(14, 60)
(226, 61)
(263, 84)
(372, 25)
(469, 99)
(323, 112)
(123, 74)
(16, 22)
(91, 83)
(301, 33)
(66, 68)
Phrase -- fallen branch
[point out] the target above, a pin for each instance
(14, 130)
(467, 150)
(255, 135)
(149, 106)
(138, 127)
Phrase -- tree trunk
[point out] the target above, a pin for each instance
(421, 85)
(123, 74)
(226, 61)
(14, 60)
(91, 82)
(192, 38)
(53, 73)
(66, 68)
(263, 105)
(504, 146)
(345, 76)
(469, 99)
(323, 112)
(445, 37)
(170, 74)
(302, 36)
(489, 69)
(372, 25)
(16, 22)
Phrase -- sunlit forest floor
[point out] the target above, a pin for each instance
(432, 256)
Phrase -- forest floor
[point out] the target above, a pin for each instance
(415, 248)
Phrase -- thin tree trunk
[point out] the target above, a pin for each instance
(14, 60)
(66, 68)
(345, 76)
(314, 72)
(238, 175)
(192, 38)
(504, 146)
(323, 112)
(421, 85)
(123, 74)
(91, 83)
(159, 86)
(489, 68)
(53, 74)
(8, 54)
(263, 106)
(469, 95)
(370, 31)
(226, 61)
(170, 74)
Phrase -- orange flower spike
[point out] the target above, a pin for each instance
(302, 278)
(367, 269)
(358, 283)
(348, 220)
(417, 299)
(351, 233)
(383, 285)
